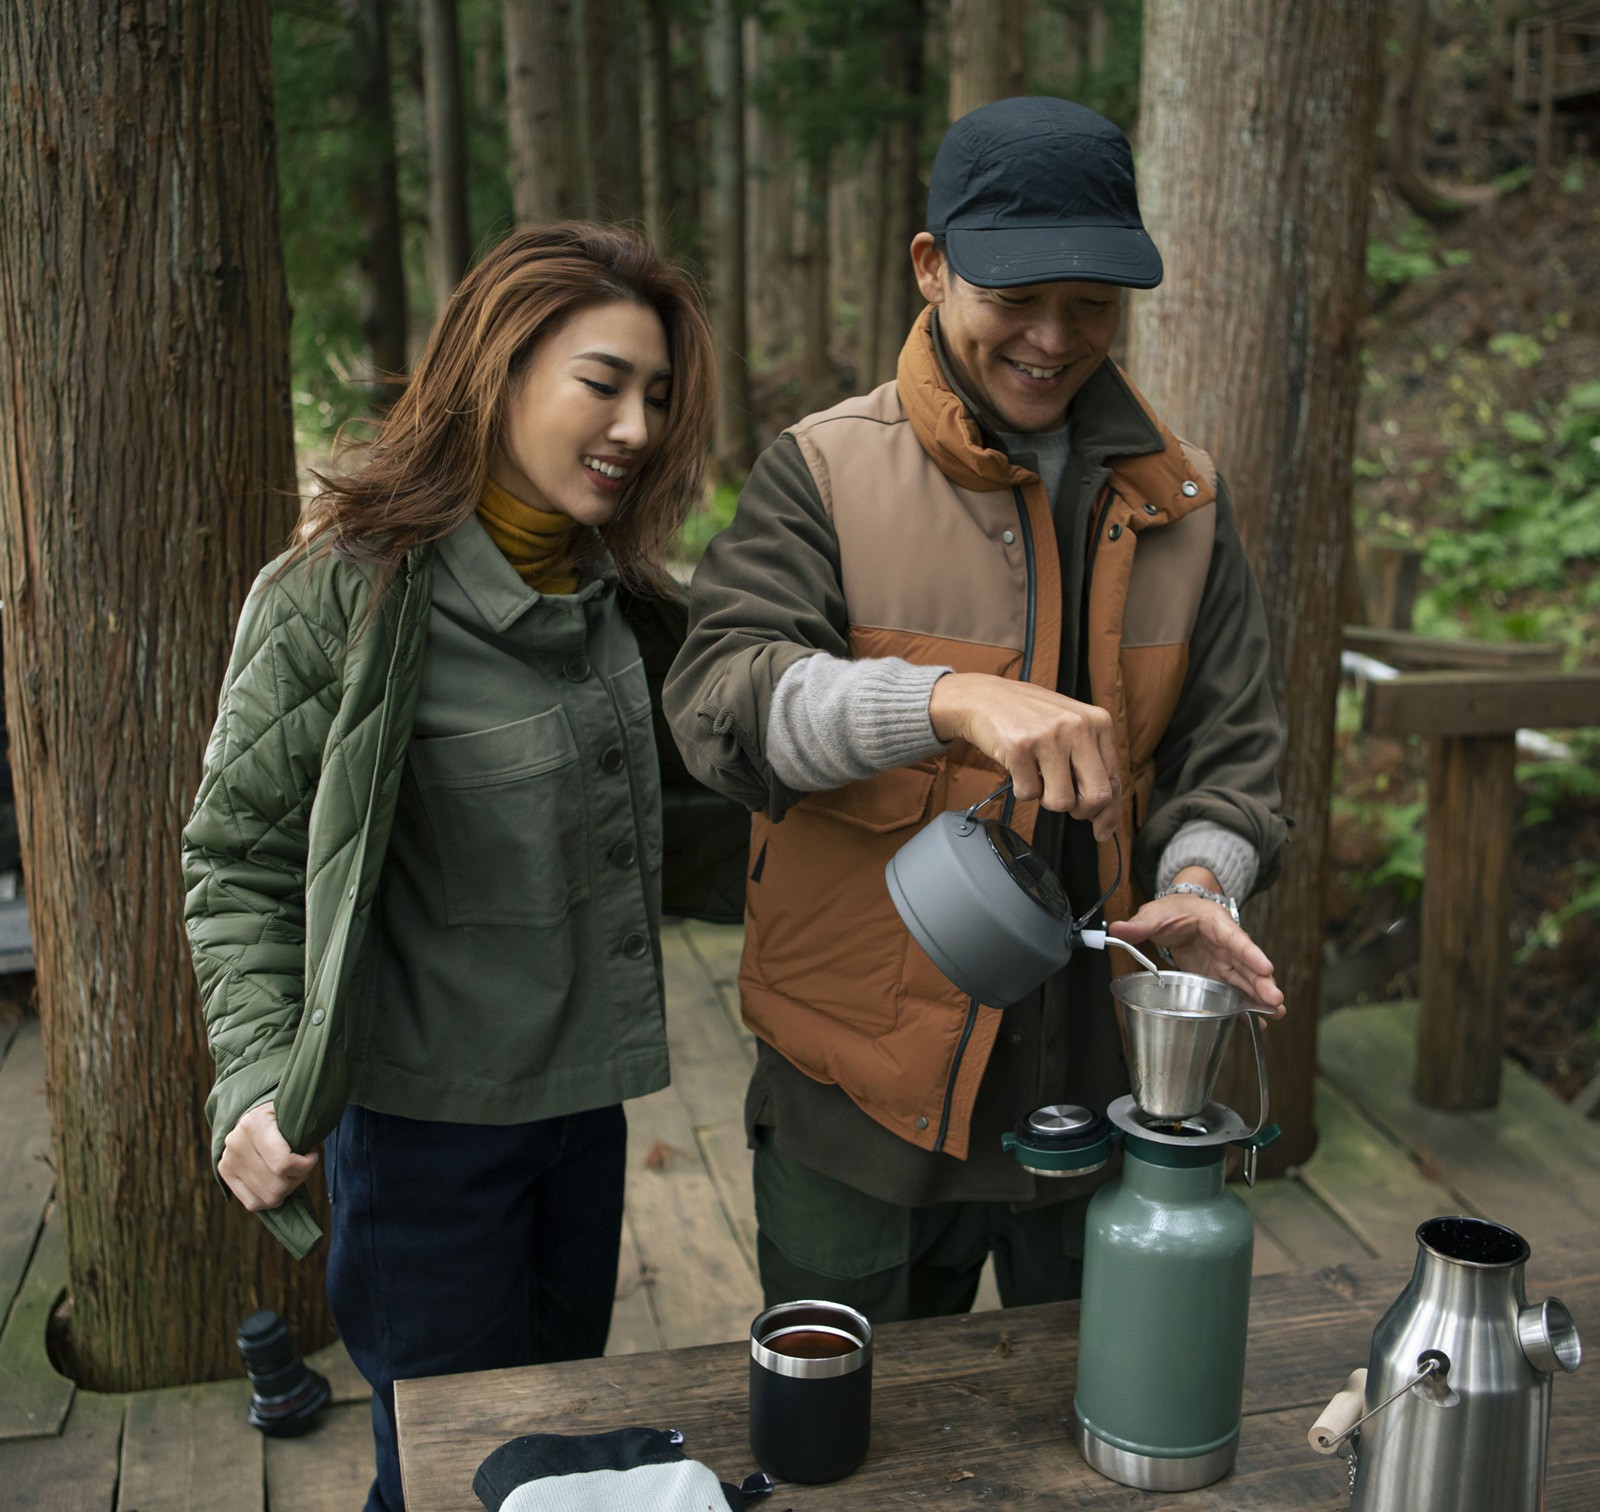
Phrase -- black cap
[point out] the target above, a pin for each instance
(1039, 190)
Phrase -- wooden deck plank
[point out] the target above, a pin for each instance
(702, 1289)
(633, 1321)
(33, 1398)
(719, 947)
(73, 1472)
(1368, 1181)
(1301, 1224)
(1531, 1163)
(727, 1157)
(710, 1066)
(26, 1176)
(1269, 1258)
(190, 1449)
(326, 1470)
(344, 1380)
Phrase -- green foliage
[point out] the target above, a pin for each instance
(1518, 551)
(1399, 830)
(705, 520)
(1548, 931)
(1550, 787)
(322, 146)
(1411, 256)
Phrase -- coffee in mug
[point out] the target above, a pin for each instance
(810, 1390)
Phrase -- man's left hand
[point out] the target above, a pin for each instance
(1204, 940)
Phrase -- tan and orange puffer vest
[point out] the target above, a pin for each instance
(830, 977)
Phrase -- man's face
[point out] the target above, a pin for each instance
(1021, 353)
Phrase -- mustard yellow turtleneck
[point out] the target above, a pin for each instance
(536, 542)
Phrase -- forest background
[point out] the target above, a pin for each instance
(175, 169)
(1478, 446)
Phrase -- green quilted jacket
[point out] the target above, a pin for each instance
(284, 849)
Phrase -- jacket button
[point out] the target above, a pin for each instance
(623, 854)
(1190, 490)
(922, 1123)
(351, 893)
(577, 669)
(1150, 509)
(1114, 533)
(1008, 536)
(317, 1016)
(612, 759)
(636, 946)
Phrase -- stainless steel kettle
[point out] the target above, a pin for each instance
(1457, 1407)
(989, 912)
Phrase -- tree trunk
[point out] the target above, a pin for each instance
(816, 371)
(540, 93)
(377, 192)
(735, 445)
(146, 473)
(986, 52)
(611, 72)
(449, 229)
(655, 122)
(873, 191)
(1256, 133)
(1407, 107)
(905, 199)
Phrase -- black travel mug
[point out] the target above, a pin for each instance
(810, 1390)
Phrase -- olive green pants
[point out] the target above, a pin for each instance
(820, 1238)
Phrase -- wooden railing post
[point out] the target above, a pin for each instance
(1466, 920)
(1470, 720)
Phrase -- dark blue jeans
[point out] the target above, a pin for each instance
(469, 1247)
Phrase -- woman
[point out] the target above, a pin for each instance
(424, 862)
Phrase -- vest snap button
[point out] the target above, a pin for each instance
(1008, 536)
(317, 1016)
(1114, 533)
(1150, 509)
(922, 1123)
(1190, 489)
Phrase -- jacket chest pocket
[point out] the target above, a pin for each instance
(506, 811)
(632, 693)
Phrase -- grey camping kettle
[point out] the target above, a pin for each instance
(989, 912)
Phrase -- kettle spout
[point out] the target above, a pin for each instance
(1549, 1337)
(1099, 939)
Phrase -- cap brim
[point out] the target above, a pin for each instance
(1006, 257)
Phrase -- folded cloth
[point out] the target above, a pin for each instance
(626, 1470)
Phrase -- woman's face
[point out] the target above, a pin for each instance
(586, 412)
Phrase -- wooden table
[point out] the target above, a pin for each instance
(976, 1411)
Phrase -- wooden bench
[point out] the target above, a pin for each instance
(1469, 721)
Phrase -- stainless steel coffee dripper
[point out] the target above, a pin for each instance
(1175, 1031)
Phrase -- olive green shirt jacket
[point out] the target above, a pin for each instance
(424, 862)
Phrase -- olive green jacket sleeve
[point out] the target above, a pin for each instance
(1218, 759)
(245, 846)
(765, 594)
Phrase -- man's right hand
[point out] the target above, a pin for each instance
(1059, 751)
(257, 1163)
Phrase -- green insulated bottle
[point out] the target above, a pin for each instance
(1166, 1302)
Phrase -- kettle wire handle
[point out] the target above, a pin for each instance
(1427, 1364)
(1082, 921)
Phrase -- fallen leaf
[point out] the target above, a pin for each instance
(961, 1475)
(659, 1156)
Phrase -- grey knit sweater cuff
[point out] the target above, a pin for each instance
(835, 721)
(1230, 858)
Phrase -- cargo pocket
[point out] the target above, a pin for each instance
(632, 693)
(507, 814)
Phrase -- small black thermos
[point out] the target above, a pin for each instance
(286, 1394)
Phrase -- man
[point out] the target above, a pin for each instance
(1002, 561)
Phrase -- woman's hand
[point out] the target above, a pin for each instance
(1057, 750)
(257, 1163)
(1204, 939)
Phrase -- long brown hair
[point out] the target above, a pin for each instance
(422, 473)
